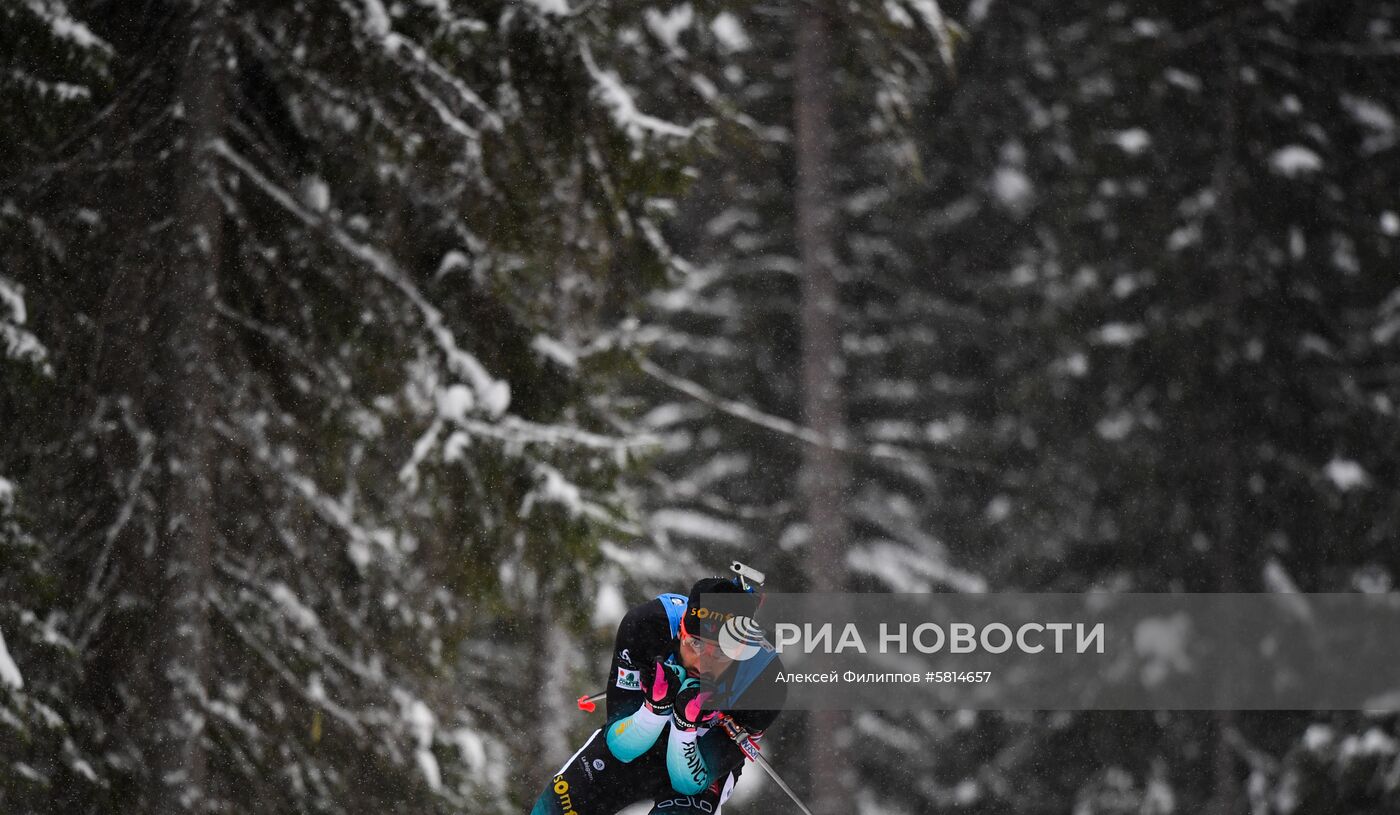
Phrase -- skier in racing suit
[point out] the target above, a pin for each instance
(669, 684)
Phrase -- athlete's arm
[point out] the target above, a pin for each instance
(638, 693)
(718, 753)
(687, 768)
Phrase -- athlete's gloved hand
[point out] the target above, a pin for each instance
(666, 681)
(631, 736)
(689, 703)
(686, 765)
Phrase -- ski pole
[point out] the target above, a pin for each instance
(746, 743)
(740, 736)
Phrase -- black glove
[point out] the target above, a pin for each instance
(665, 683)
(689, 703)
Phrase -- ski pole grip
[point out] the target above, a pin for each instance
(740, 737)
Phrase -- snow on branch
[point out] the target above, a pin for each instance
(739, 410)
(284, 341)
(19, 344)
(513, 429)
(909, 558)
(9, 672)
(806, 435)
(336, 95)
(60, 91)
(1374, 49)
(493, 395)
(624, 108)
(95, 602)
(278, 601)
(408, 473)
(938, 25)
(376, 23)
(55, 14)
(550, 8)
(555, 488)
(909, 571)
(1369, 50)
(691, 523)
(396, 42)
(340, 514)
(313, 692)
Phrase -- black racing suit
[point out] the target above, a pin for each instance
(595, 782)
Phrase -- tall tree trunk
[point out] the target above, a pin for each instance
(1228, 554)
(184, 410)
(549, 650)
(824, 477)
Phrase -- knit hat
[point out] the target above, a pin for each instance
(714, 600)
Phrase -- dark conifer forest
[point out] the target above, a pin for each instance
(363, 361)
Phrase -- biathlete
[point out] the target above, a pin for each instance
(670, 682)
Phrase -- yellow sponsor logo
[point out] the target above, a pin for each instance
(705, 614)
(621, 726)
(561, 791)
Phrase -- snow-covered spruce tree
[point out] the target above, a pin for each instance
(41, 753)
(1187, 260)
(726, 346)
(1130, 348)
(51, 66)
(320, 440)
(724, 342)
